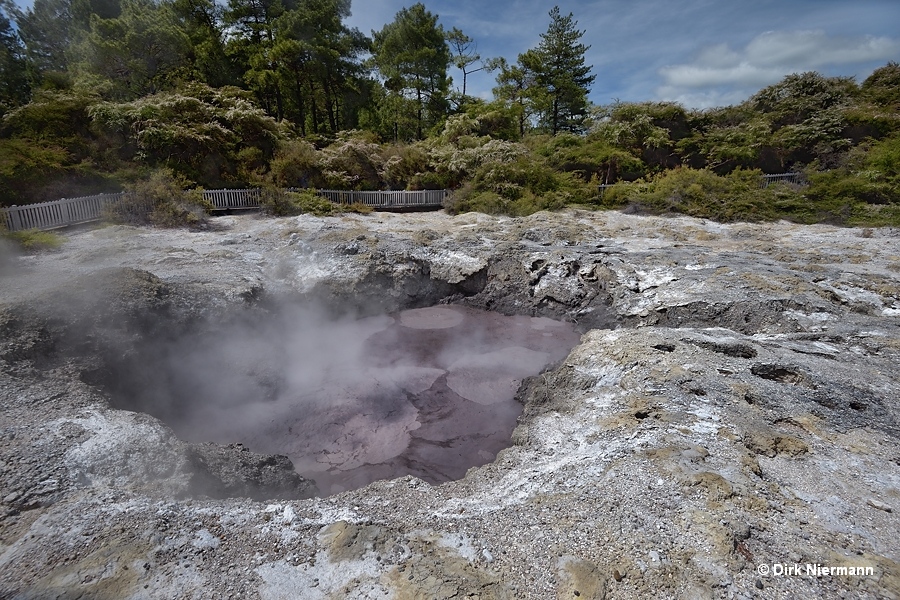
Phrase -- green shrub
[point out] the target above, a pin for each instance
(209, 135)
(844, 198)
(357, 207)
(519, 184)
(160, 200)
(869, 215)
(467, 199)
(512, 179)
(296, 164)
(525, 202)
(701, 193)
(287, 204)
(26, 166)
(838, 197)
(33, 239)
(352, 162)
(865, 191)
(428, 181)
(402, 163)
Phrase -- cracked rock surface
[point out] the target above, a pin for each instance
(732, 406)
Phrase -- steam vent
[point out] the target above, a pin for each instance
(567, 405)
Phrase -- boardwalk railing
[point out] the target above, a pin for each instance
(71, 211)
(59, 213)
(793, 178)
(227, 199)
(423, 199)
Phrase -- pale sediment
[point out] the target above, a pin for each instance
(732, 405)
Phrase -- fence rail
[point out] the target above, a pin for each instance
(793, 178)
(72, 211)
(228, 199)
(58, 213)
(388, 199)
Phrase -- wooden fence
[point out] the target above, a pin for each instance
(792, 178)
(71, 211)
(59, 213)
(400, 199)
(231, 199)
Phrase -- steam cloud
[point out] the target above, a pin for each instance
(427, 392)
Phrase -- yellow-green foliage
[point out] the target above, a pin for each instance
(202, 133)
(160, 200)
(352, 162)
(286, 204)
(501, 177)
(402, 164)
(519, 188)
(33, 239)
(865, 191)
(296, 164)
(701, 193)
(26, 165)
(356, 207)
(833, 197)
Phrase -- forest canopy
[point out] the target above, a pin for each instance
(98, 94)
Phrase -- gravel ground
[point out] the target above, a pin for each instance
(727, 426)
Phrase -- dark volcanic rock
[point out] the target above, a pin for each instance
(229, 471)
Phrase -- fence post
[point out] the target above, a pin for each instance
(15, 220)
(65, 211)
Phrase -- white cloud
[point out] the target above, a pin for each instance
(815, 49)
(774, 54)
(719, 74)
(699, 76)
(696, 98)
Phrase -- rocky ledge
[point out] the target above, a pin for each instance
(727, 427)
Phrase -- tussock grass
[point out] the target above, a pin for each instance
(33, 240)
(161, 201)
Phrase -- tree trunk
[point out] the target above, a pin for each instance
(314, 109)
(329, 104)
(301, 103)
(555, 126)
(419, 113)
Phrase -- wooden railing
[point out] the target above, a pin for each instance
(229, 199)
(72, 211)
(424, 198)
(793, 178)
(59, 213)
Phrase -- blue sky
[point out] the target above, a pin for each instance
(698, 52)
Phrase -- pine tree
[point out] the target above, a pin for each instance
(14, 81)
(47, 29)
(465, 55)
(412, 55)
(562, 80)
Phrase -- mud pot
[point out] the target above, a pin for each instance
(428, 392)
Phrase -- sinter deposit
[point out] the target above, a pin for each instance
(726, 426)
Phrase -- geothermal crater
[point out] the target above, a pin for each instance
(428, 392)
(731, 404)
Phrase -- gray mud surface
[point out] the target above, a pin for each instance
(729, 412)
(428, 392)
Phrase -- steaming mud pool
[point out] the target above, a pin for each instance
(428, 392)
